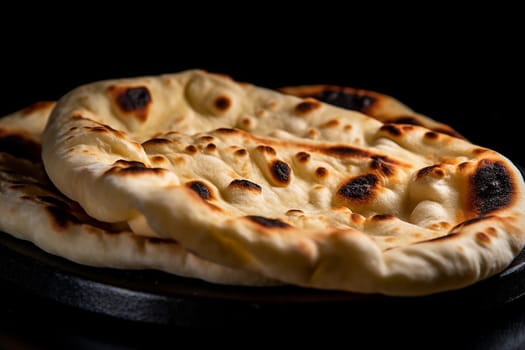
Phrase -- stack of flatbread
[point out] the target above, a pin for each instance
(201, 176)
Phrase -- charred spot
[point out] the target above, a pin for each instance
(134, 100)
(294, 212)
(96, 128)
(482, 238)
(307, 106)
(313, 133)
(349, 100)
(210, 147)
(359, 188)
(227, 131)
(20, 146)
(448, 236)
(381, 163)
(240, 152)
(103, 128)
(429, 170)
(406, 120)
(492, 231)
(54, 201)
(431, 135)
(156, 240)
(281, 171)
(158, 159)
(156, 141)
(266, 149)
(61, 218)
(302, 157)
(334, 123)
(321, 172)
(129, 163)
(247, 122)
(267, 222)
(346, 151)
(391, 129)
(463, 165)
(491, 187)
(245, 184)
(191, 149)
(206, 138)
(383, 217)
(37, 106)
(201, 189)
(125, 167)
(222, 103)
(469, 222)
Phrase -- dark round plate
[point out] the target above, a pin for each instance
(159, 298)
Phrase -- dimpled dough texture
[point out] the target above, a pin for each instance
(34, 210)
(294, 189)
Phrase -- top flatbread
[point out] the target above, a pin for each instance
(291, 188)
(33, 209)
(380, 106)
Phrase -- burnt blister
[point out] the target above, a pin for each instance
(61, 217)
(201, 189)
(383, 217)
(458, 227)
(381, 163)
(307, 106)
(346, 99)
(267, 222)
(346, 151)
(391, 129)
(492, 187)
(134, 98)
(127, 167)
(245, 184)
(222, 103)
(302, 157)
(359, 188)
(281, 171)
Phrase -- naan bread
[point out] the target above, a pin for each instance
(33, 209)
(379, 106)
(293, 189)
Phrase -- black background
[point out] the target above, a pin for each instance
(464, 69)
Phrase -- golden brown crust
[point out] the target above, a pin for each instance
(33, 209)
(306, 193)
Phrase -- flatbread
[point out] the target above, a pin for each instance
(294, 189)
(33, 209)
(382, 107)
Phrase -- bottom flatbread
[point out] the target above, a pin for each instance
(33, 209)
